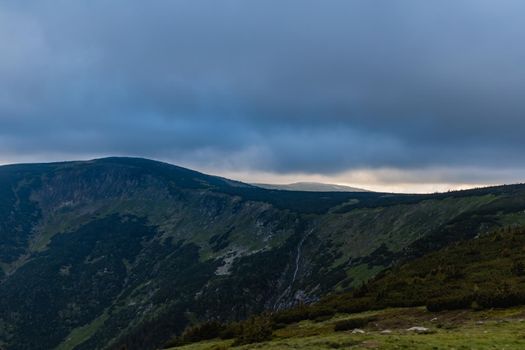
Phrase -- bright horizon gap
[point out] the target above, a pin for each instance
(376, 180)
(402, 188)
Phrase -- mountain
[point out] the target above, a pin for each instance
(127, 252)
(473, 292)
(310, 187)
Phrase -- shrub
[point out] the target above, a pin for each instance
(296, 314)
(255, 330)
(303, 312)
(450, 303)
(362, 290)
(317, 311)
(355, 305)
(230, 331)
(518, 268)
(352, 323)
(322, 318)
(500, 298)
(452, 272)
(204, 331)
(192, 334)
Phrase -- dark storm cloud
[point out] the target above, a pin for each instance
(282, 86)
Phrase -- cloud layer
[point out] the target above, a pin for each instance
(282, 87)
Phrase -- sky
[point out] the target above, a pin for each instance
(404, 95)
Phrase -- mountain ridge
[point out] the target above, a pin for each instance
(127, 251)
(310, 186)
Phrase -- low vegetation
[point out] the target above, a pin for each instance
(479, 274)
(396, 328)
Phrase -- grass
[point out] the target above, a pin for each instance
(461, 329)
(362, 273)
(81, 334)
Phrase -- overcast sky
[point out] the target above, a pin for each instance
(391, 95)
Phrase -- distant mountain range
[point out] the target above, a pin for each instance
(124, 253)
(310, 187)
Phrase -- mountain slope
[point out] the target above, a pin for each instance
(130, 251)
(475, 275)
(310, 187)
(389, 330)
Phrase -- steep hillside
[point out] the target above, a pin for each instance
(117, 251)
(481, 273)
(448, 295)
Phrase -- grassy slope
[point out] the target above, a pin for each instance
(491, 264)
(472, 276)
(493, 329)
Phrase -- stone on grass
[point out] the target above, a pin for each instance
(421, 330)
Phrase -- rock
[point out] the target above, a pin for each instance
(386, 331)
(419, 329)
(358, 331)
